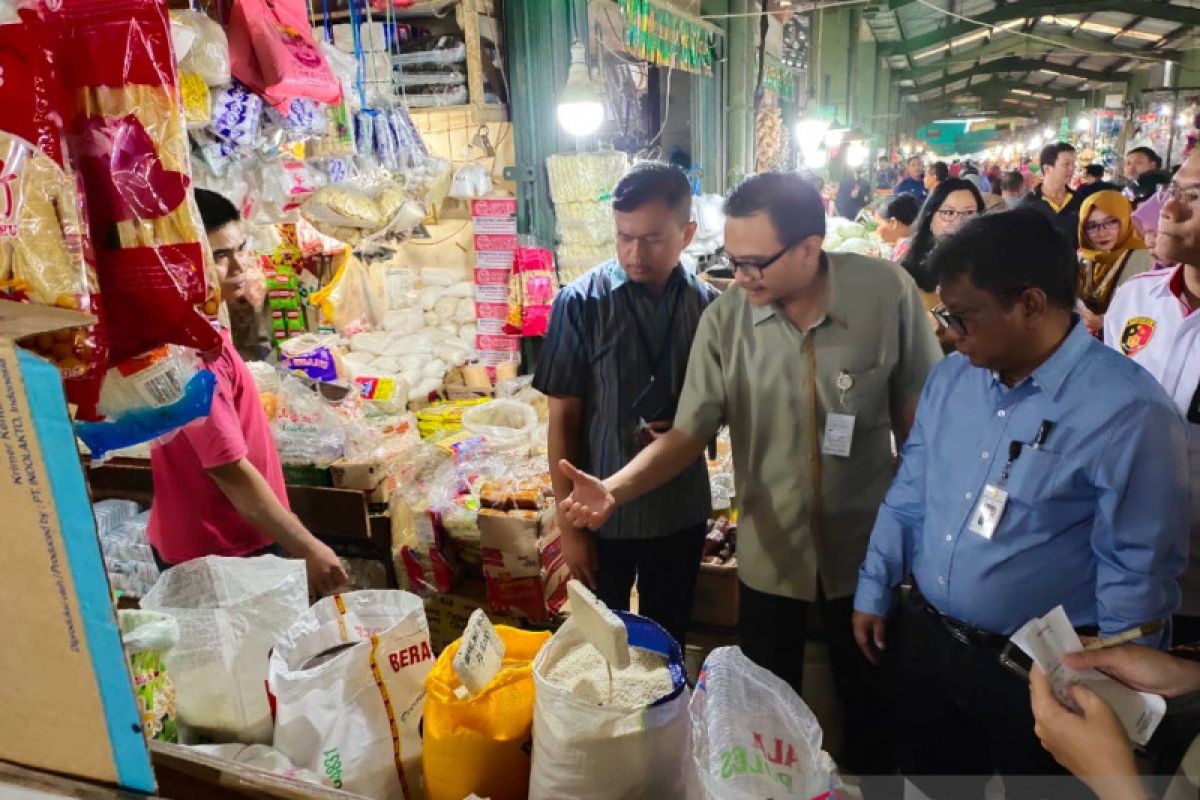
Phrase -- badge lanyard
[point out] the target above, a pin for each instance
(986, 517)
(839, 427)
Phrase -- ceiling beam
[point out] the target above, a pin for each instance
(1036, 8)
(1011, 64)
(998, 86)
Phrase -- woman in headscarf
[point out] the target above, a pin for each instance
(1110, 253)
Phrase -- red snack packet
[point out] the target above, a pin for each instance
(126, 135)
(45, 254)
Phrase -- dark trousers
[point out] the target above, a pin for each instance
(773, 633)
(270, 550)
(963, 717)
(665, 569)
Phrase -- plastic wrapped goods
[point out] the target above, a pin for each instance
(126, 135)
(208, 56)
(148, 636)
(587, 177)
(752, 735)
(348, 680)
(231, 612)
(273, 51)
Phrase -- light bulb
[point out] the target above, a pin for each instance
(581, 119)
(810, 133)
(1083, 124)
(580, 103)
(856, 154)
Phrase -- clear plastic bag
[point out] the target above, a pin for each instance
(208, 56)
(752, 735)
(350, 213)
(128, 139)
(316, 356)
(307, 428)
(507, 425)
(231, 612)
(148, 636)
(347, 303)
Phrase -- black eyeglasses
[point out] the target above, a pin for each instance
(947, 320)
(753, 270)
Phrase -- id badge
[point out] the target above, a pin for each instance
(839, 435)
(986, 517)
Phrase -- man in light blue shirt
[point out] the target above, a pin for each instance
(1042, 470)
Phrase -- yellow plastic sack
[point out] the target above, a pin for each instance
(481, 744)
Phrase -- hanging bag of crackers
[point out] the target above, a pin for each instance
(45, 255)
(126, 135)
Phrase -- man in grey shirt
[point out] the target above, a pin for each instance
(815, 360)
(613, 366)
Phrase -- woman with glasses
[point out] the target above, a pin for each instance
(1110, 253)
(951, 204)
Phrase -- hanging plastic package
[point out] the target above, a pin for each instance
(752, 735)
(479, 743)
(128, 139)
(230, 611)
(348, 681)
(148, 636)
(273, 51)
(208, 57)
(45, 254)
(593, 751)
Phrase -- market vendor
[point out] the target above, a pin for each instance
(218, 485)
(814, 360)
(613, 365)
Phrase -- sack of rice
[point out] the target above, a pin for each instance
(596, 738)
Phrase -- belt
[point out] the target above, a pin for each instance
(963, 632)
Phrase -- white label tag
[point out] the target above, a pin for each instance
(480, 653)
(986, 517)
(839, 435)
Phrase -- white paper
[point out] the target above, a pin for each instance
(480, 653)
(1048, 639)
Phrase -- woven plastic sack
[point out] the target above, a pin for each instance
(586, 752)
(480, 744)
(349, 686)
(230, 612)
(508, 425)
(752, 735)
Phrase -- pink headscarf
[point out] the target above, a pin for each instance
(1145, 217)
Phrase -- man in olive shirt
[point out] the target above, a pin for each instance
(814, 360)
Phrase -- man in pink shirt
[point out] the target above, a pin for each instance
(218, 486)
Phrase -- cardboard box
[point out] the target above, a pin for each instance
(65, 687)
(717, 595)
(494, 207)
(523, 565)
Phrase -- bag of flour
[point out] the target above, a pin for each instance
(349, 686)
(230, 612)
(752, 735)
(599, 740)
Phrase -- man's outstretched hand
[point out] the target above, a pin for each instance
(590, 503)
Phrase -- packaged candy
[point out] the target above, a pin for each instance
(45, 254)
(197, 100)
(126, 135)
(236, 118)
(273, 51)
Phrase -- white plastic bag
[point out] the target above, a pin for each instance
(262, 757)
(752, 735)
(349, 687)
(508, 425)
(588, 752)
(230, 612)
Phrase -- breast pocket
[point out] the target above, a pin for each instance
(1035, 476)
(867, 395)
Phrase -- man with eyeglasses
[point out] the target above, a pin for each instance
(1155, 320)
(613, 365)
(814, 360)
(1042, 470)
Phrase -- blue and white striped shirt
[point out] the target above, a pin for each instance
(593, 351)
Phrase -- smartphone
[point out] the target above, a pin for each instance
(1016, 660)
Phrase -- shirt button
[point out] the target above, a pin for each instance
(1001, 413)
(942, 580)
(968, 495)
(949, 537)
(985, 455)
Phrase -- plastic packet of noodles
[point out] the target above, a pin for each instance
(45, 255)
(126, 134)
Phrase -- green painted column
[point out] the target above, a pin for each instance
(834, 86)
(741, 69)
(1188, 72)
(863, 107)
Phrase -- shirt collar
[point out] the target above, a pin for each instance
(1053, 372)
(835, 306)
(618, 277)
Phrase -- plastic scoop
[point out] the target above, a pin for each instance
(480, 653)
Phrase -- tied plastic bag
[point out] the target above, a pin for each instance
(230, 611)
(127, 137)
(347, 302)
(507, 425)
(148, 636)
(273, 52)
(208, 57)
(349, 686)
(480, 743)
(589, 752)
(752, 735)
